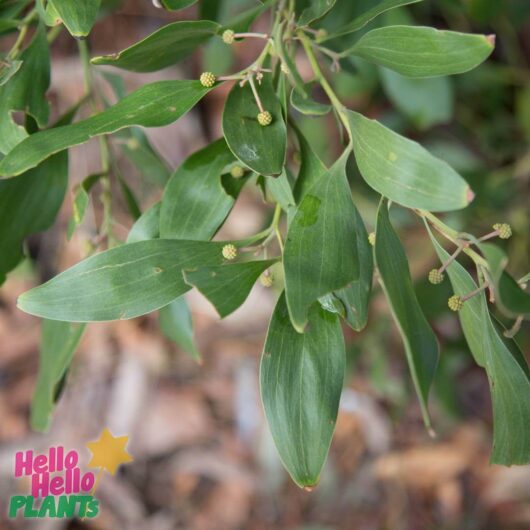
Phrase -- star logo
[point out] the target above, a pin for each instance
(108, 453)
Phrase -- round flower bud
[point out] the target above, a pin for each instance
(371, 238)
(266, 280)
(228, 36)
(285, 69)
(455, 303)
(207, 79)
(321, 34)
(436, 277)
(264, 118)
(237, 172)
(504, 229)
(229, 251)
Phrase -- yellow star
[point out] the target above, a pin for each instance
(109, 451)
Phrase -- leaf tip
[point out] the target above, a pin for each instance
(491, 39)
(470, 195)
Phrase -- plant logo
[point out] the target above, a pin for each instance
(58, 486)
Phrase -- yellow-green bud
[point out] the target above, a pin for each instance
(436, 277)
(264, 118)
(266, 280)
(229, 252)
(207, 79)
(455, 303)
(285, 69)
(228, 36)
(237, 172)
(371, 238)
(504, 229)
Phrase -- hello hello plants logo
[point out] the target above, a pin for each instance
(58, 486)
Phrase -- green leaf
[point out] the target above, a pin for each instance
(147, 226)
(403, 170)
(137, 148)
(260, 148)
(242, 22)
(227, 286)
(8, 69)
(153, 105)
(321, 250)
(308, 105)
(420, 343)
(78, 17)
(506, 367)
(301, 381)
(175, 5)
(29, 204)
(280, 190)
(415, 51)
(195, 203)
(415, 97)
(311, 167)
(165, 47)
(361, 21)
(121, 283)
(80, 203)
(59, 341)
(25, 92)
(176, 324)
(508, 293)
(356, 296)
(317, 10)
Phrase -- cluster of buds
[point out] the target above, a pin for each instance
(229, 252)
(207, 79)
(237, 172)
(264, 118)
(266, 279)
(455, 303)
(371, 238)
(504, 230)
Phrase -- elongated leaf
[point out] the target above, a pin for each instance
(260, 148)
(195, 202)
(175, 5)
(121, 283)
(8, 69)
(147, 226)
(242, 22)
(509, 294)
(415, 97)
(301, 381)
(29, 204)
(311, 167)
(166, 46)
(59, 341)
(176, 324)
(78, 17)
(403, 170)
(138, 149)
(153, 105)
(317, 10)
(380, 7)
(423, 52)
(321, 249)
(506, 367)
(356, 296)
(280, 190)
(420, 343)
(307, 105)
(227, 286)
(25, 92)
(80, 203)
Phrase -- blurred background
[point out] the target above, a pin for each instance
(203, 457)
